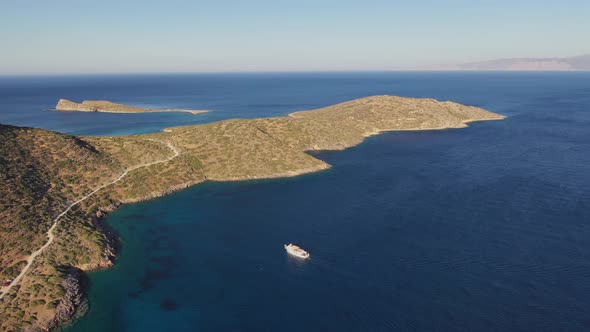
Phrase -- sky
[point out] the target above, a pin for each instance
(128, 36)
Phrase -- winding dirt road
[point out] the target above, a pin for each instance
(51, 236)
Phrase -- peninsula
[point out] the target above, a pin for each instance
(57, 187)
(110, 107)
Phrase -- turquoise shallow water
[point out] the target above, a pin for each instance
(477, 229)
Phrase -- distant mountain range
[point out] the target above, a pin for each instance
(581, 62)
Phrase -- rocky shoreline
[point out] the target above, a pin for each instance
(73, 304)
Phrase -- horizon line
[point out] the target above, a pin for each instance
(335, 71)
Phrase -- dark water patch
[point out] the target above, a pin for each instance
(158, 241)
(134, 295)
(167, 262)
(168, 305)
(153, 277)
(134, 217)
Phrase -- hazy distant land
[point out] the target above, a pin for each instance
(48, 175)
(581, 63)
(110, 107)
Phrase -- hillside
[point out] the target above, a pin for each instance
(41, 171)
(44, 171)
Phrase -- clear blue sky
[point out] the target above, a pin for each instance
(176, 36)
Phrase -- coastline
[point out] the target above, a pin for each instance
(176, 137)
(113, 250)
(157, 194)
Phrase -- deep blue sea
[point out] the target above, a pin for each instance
(479, 229)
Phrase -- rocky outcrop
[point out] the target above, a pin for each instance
(110, 248)
(72, 304)
(107, 258)
(68, 105)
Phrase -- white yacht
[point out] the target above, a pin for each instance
(296, 251)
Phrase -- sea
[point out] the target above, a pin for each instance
(485, 228)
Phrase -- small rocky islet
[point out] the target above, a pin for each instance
(105, 106)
